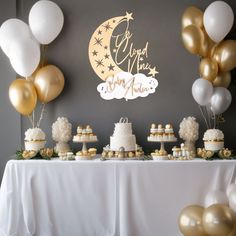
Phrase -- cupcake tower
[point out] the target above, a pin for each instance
(85, 135)
(160, 134)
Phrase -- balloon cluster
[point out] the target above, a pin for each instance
(217, 219)
(21, 44)
(202, 34)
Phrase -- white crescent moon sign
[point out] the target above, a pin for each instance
(100, 54)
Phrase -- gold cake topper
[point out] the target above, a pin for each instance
(116, 61)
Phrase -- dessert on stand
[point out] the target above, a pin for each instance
(161, 135)
(122, 143)
(84, 136)
(181, 153)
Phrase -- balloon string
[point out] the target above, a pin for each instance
(31, 121)
(41, 115)
(33, 118)
(209, 116)
(200, 108)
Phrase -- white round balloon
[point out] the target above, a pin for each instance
(218, 20)
(202, 91)
(220, 100)
(46, 20)
(230, 188)
(25, 56)
(10, 31)
(232, 200)
(216, 197)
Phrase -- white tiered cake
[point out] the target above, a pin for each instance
(123, 136)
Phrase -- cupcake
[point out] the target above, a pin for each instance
(34, 139)
(213, 140)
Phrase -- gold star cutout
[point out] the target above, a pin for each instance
(95, 53)
(111, 67)
(98, 41)
(99, 32)
(106, 56)
(129, 16)
(99, 62)
(152, 71)
(107, 26)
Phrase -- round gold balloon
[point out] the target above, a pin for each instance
(190, 221)
(23, 96)
(192, 38)
(225, 55)
(49, 83)
(208, 69)
(218, 220)
(196, 41)
(222, 80)
(206, 45)
(192, 16)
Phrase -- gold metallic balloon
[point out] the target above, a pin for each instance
(218, 220)
(208, 69)
(190, 221)
(49, 83)
(206, 45)
(192, 16)
(222, 80)
(192, 38)
(23, 96)
(225, 55)
(196, 41)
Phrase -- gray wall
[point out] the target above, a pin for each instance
(158, 22)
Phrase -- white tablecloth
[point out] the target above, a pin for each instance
(95, 198)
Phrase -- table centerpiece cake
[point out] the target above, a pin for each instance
(123, 143)
(34, 139)
(213, 140)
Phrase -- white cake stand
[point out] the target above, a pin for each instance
(84, 149)
(162, 148)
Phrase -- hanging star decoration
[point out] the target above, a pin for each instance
(119, 63)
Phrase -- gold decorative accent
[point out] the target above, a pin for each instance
(111, 53)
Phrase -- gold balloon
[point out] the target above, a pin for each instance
(192, 16)
(192, 37)
(208, 69)
(190, 221)
(225, 55)
(49, 83)
(222, 80)
(218, 220)
(23, 96)
(196, 41)
(206, 45)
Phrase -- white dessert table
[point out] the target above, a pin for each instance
(96, 198)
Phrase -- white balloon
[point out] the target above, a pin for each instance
(220, 100)
(232, 200)
(216, 197)
(46, 20)
(202, 91)
(25, 56)
(10, 31)
(218, 20)
(230, 188)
